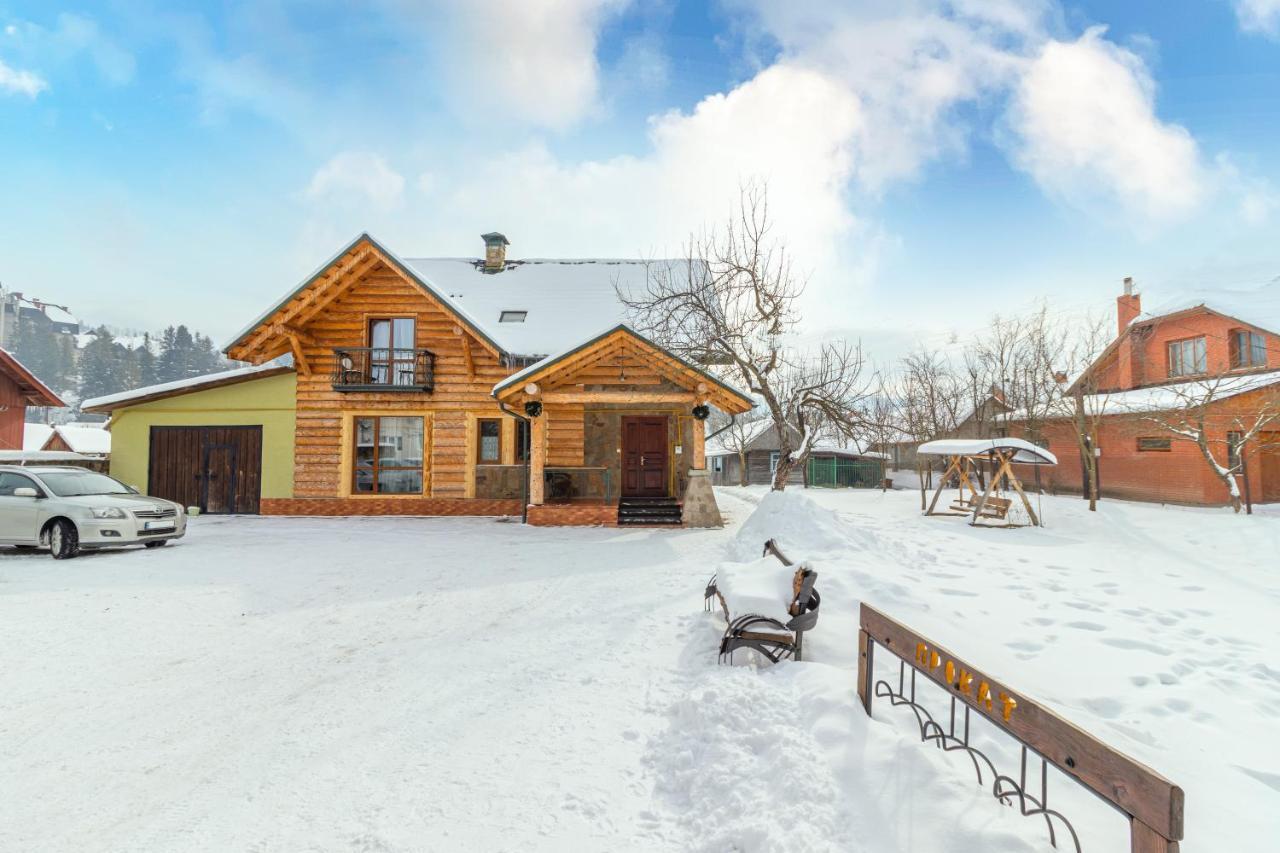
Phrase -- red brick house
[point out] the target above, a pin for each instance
(19, 388)
(1148, 373)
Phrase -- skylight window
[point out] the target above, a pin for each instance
(512, 316)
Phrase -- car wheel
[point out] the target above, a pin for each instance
(64, 541)
(160, 543)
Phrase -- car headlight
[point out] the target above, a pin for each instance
(107, 512)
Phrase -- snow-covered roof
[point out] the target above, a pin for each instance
(822, 446)
(717, 447)
(60, 315)
(194, 383)
(88, 440)
(561, 299)
(35, 435)
(1258, 305)
(1027, 453)
(20, 457)
(1175, 395)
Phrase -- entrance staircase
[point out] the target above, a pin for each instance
(648, 512)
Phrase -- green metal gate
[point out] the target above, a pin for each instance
(836, 472)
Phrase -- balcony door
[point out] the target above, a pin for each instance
(391, 351)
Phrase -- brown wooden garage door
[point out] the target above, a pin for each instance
(217, 468)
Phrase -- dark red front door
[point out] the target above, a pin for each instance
(644, 457)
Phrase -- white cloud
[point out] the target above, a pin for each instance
(532, 59)
(15, 81)
(357, 176)
(1087, 132)
(1259, 16)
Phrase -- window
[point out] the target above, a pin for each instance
(1248, 349)
(388, 456)
(488, 441)
(522, 441)
(392, 360)
(1187, 358)
(512, 316)
(773, 462)
(10, 481)
(717, 463)
(1235, 443)
(1157, 445)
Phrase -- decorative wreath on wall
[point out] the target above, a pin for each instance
(702, 411)
(533, 408)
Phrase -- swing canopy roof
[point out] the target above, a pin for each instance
(1024, 452)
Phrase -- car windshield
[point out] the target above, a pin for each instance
(70, 484)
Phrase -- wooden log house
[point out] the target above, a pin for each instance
(485, 387)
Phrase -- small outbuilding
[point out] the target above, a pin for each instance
(830, 464)
(220, 442)
(19, 388)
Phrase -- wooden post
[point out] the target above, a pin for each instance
(699, 457)
(866, 650)
(537, 457)
(1144, 839)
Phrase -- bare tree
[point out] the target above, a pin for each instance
(1220, 435)
(731, 302)
(1085, 400)
(930, 396)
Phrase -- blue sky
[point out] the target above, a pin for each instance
(929, 162)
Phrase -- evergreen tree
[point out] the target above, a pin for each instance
(101, 365)
(147, 367)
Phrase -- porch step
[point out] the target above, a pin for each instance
(649, 511)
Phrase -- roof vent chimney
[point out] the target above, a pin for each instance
(1128, 306)
(495, 251)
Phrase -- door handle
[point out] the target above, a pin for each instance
(641, 458)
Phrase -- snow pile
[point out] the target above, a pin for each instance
(800, 527)
(762, 586)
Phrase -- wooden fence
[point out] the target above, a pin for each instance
(1152, 804)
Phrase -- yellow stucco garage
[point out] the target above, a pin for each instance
(220, 442)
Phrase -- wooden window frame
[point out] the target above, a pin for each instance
(1181, 369)
(521, 449)
(376, 468)
(391, 362)
(1242, 345)
(1166, 442)
(479, 458)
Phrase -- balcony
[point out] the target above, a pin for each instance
(381, 369)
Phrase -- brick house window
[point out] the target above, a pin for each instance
(1248, 349)
(1187, 358)
(489, 441)
(1235, 443)
(1156, 445)
(388, 456)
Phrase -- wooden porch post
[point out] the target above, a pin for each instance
(699, 445)
(537, 457)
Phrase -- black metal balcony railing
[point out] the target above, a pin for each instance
(383, 369)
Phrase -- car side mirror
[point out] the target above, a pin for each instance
(25, 492)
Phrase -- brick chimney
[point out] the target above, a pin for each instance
(495, 251)
(1128, 306)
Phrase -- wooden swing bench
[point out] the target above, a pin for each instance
(997, 508)
(771, 637)
(963, 456)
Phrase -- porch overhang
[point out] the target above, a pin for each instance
(556, 378)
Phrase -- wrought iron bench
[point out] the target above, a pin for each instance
(771, 637)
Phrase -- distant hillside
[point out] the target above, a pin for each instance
(80, 362)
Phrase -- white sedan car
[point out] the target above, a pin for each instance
(73, 509)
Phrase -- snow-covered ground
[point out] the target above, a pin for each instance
(468, 684)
